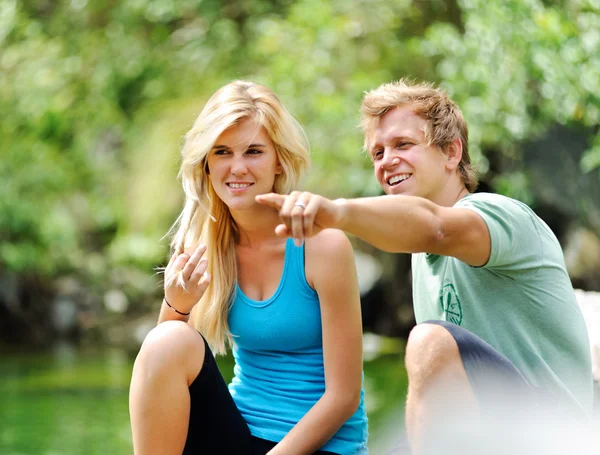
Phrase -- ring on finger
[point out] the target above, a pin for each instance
(299, 204)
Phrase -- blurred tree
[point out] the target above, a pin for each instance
(520, 69)
(95, 96)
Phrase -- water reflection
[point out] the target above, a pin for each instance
(72, 400)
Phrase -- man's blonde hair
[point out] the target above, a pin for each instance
(445, 122)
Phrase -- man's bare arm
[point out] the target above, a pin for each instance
(398, 224)
(413, 225)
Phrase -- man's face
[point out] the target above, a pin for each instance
(402, 160)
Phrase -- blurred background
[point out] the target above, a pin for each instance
(95, 97)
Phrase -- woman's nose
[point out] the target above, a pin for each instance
(238, 166)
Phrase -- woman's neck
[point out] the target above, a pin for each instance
(256, 226)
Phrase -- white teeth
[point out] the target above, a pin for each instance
(239, 185)
(398, 178)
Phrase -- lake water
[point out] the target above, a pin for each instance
(69, 400)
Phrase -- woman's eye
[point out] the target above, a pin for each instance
(254, 152)
(221, 152)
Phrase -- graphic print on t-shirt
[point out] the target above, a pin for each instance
(451, 304)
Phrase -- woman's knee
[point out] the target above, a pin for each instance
(172, 345)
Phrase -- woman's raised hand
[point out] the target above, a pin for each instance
(186, 279)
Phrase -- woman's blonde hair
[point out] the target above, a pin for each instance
(206, 218)
(445, 121)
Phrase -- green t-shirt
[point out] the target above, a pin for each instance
(521, 302)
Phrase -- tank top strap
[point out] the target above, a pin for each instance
(296, 264)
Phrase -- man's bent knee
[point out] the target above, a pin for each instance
(428, 337)
(438, 381)
(430, 346)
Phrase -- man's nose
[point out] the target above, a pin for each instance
(389, 160)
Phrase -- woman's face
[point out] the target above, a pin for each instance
(242, 164)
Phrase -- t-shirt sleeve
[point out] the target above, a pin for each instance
(514, 232)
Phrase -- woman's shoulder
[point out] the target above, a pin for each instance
(329, 237)
(328, 242)
(329, 260)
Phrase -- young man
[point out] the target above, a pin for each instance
(497, 316)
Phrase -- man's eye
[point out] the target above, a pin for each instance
(378, 154)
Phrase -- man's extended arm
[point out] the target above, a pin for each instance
(396, 224)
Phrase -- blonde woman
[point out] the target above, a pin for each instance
(290, 310)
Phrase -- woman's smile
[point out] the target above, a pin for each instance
(238, 187)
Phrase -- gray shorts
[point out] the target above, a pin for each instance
(493, 377)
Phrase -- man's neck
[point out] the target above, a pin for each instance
(461, 193)
(450, 194)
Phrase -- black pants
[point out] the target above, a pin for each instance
(216, 424)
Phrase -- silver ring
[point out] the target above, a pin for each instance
(299, 204)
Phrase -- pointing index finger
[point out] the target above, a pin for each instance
(271, 199)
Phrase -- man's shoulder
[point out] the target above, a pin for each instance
(489, 198)
(492, 203)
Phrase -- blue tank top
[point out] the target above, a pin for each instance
(278, 351)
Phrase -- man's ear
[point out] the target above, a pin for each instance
(453, 154)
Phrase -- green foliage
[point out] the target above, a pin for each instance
(95, 97)
(519, 67)
(591, 159)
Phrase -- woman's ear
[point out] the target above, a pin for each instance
(206, 169)
(278, 168)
